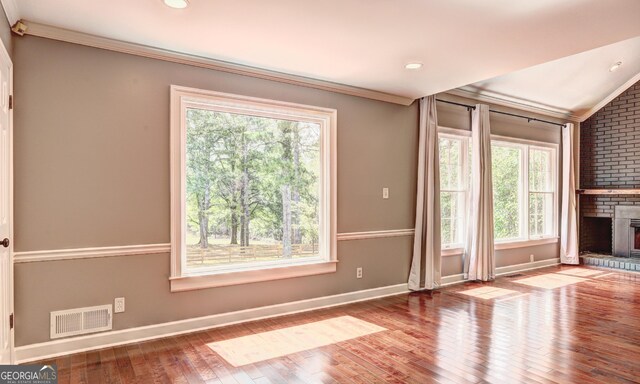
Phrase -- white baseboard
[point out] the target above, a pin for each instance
(72, 345)
(452, 279)
(526, 266)
(50, 349)
(501, 271)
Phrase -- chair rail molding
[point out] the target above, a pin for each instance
(89, 253)
(374, 234)
(145, 249)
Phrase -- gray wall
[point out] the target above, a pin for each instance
(92, 169)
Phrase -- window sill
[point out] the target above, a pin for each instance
(506, 245)
(452, 252)
(525, 243)
(189, 283)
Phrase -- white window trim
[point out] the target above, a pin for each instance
(456, 250)
(181, 97)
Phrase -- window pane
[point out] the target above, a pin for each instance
(252, 189)
(452, 217)
(540, 214)
(506, 186)
(452, 189)
(540, 170)
(450, 164)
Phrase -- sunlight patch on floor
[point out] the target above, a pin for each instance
(605, 275)
(550, 281)
(488, 292)
(580, 272)
(281, 342)
(508, 298)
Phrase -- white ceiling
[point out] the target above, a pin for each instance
(365, 43)
(571, 85)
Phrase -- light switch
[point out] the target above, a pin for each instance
(385, 193)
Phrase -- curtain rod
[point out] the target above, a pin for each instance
(529, 119)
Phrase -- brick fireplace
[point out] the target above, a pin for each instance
(609, 159)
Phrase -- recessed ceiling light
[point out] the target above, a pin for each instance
(615, 66)
(413, 66)
(178, 4)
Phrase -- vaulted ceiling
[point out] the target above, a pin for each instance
(498, 47)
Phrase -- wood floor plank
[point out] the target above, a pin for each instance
(586, 332)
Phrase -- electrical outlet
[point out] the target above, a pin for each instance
(531, 258)
(385, 193)
(119, 305)
(359, 273)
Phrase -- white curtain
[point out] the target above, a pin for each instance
(479, 253)
(568, 224)
(425, 266)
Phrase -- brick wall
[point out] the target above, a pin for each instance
(609, 158)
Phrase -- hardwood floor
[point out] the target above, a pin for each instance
(585, 331)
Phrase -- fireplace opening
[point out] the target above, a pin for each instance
(596, 235)
(636, 240)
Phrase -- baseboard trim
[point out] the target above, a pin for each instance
(452, 279)
(51, 349)
(89, 253)
(501, 271)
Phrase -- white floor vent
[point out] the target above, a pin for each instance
(79, 321)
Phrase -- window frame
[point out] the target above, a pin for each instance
(524, 191)
(527, 240)
(553, 175)
(182, 98)
(444, 132)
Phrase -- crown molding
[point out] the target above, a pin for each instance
(11, 10)
(610, 98)
(512, 102)
(69, 36)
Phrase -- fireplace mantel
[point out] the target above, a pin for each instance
(608, 191)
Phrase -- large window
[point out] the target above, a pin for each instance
(524, 190)
(252, 197)
(454, 187)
